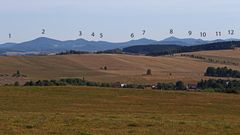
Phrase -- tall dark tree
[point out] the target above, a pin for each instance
(180, 85)
(149, 72)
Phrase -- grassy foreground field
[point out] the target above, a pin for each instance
(100, 111)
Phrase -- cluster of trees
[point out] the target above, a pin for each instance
(152, 50)
(179, 85)
(80, 82)
(228, 86)
(104, 68)
(112, 51)
(72, 52)
(18, 74)
(222, 72)
(4, 75)
(61, 82)
(193, 56)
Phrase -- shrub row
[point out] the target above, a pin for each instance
(222, 72)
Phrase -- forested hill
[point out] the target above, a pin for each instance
(155, 50)
(146, 49)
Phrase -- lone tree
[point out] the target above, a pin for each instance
(17, 74)
(105, 68)
(16, 83)
(149, 72)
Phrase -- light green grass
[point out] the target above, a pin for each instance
(100, 111)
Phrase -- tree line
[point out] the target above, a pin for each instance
(79, 82)
(72, 52)
(228, 86)
(61, 82)
(179, 85)
(222, 72)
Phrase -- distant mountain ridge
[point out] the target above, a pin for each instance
(48, 45)
(184, 41)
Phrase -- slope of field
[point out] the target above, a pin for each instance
(221, 53)
(230, 56)
(123, 68)
(98, 111)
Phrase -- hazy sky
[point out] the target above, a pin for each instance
(117, 19)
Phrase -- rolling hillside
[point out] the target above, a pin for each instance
(157, 50)
(122, 68)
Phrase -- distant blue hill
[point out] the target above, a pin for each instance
(48, 45)
(183, 42)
